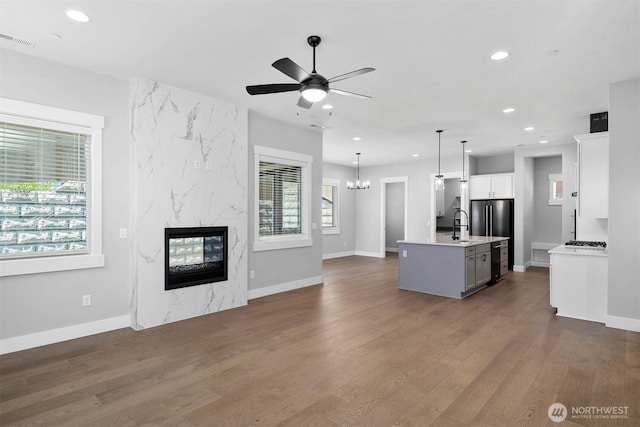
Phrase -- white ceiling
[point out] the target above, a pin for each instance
(431, 57)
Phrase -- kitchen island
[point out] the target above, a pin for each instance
(450, 268)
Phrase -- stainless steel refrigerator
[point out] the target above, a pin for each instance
(493, 218)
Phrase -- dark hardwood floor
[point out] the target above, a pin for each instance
(354, 351)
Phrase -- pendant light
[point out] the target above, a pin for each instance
(463, 181)
(439, 177)
(358, 185)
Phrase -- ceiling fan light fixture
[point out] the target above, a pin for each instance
(313, 94)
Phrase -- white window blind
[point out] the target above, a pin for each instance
(280, 199)
(43, 191)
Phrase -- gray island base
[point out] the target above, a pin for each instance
(454, 269)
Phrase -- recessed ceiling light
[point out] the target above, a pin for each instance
(327, 106)
(355, 162)
(78, 16)
(529, 128)
(468, 151)
(544, 141)
(356, 138)
(415, 155)
(499, 55)
(509, 110)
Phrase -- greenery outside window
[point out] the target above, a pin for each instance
(282, 199)
(330, 206)
(50, 189)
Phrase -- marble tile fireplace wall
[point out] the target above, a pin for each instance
(189, 169)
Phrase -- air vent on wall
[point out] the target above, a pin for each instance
(23, 42)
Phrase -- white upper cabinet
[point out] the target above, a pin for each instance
(593, 175)
(498, 186)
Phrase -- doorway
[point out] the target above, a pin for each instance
(393, 213)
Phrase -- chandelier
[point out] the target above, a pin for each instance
(358, 185)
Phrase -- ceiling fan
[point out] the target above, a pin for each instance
(313, 87)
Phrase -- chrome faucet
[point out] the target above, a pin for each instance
(454, 237)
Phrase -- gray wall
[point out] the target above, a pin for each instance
(369, 204)
(624, 200)
(345, 242)
(277, 267)
(500, 163)
(547, 219)
(394, 215)
(40, 302)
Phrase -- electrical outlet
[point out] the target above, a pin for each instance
(123, 233)
(404, 254)
(208, 166)
(86, 300)
(196, 164)
(252, 274)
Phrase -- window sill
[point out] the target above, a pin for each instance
(16, 267)
(281, 243)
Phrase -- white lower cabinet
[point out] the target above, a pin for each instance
(578, 284)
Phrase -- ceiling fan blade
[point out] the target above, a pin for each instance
(351, 74)
(272, 88)
(303, 103)
(291, 69)
(344, 92)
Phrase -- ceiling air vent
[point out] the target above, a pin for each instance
(17, 40)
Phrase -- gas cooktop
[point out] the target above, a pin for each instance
(586, 244)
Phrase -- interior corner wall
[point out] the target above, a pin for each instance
(623, 298)
(285, 269)
(524, 183)
(34, 305)
(189, 169)
(547, 219)
(343, 244)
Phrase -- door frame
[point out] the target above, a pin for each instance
(383, 205)
(464, 200)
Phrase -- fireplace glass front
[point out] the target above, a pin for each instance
(194, 256)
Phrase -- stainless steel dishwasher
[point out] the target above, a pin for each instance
(499, 259)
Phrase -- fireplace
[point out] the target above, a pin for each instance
(194, 256)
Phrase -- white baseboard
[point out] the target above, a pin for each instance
(391, 249)
(540, 264)
(371, 254)
(23, 342)
(520, 268)
(338, 254)
(284, 287)
(626, 323)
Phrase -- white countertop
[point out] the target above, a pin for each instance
(445, 240)
(576, 250)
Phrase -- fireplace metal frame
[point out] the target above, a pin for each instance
(183, 280)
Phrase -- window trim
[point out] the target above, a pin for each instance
(335, 183)
(27, 113)
(266, 243)
(553, 178)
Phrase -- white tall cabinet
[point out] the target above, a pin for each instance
(593, 186)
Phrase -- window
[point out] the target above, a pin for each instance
(283, 189)
(330, 206)
(50, 180)
(556, 189)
